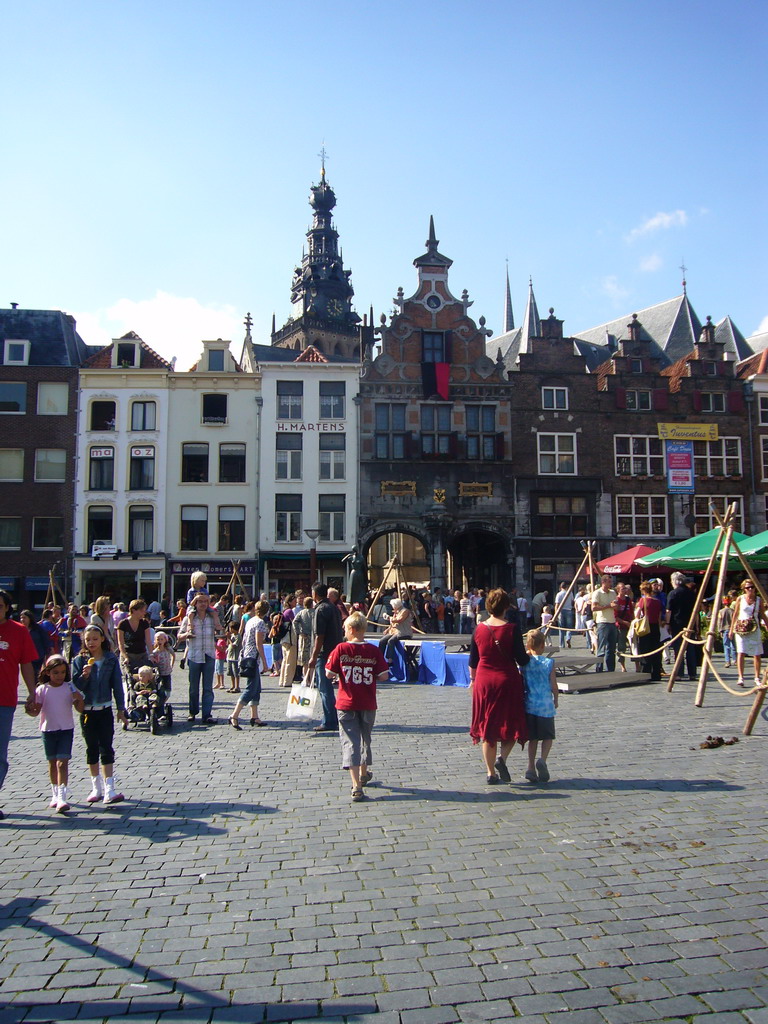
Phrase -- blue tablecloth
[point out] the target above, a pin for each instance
(432, 663)
(457, 669)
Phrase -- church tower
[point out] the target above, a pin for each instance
(321, 292)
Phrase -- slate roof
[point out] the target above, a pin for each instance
(757, 363)
(757, 342)
(673, 325)
(148, 359)
(52, 335)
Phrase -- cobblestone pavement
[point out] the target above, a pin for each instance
(239, 883)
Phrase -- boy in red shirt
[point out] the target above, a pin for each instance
(358, 666)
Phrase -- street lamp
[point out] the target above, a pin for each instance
(313, 535)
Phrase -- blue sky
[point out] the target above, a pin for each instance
(158, 156)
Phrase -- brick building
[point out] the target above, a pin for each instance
(41, 352)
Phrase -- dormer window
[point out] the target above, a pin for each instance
(126, 354)
(15, 353)
(216, 360)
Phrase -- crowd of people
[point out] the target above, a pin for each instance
(94, 658)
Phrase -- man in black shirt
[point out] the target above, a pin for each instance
(680, 602)
(327, 634)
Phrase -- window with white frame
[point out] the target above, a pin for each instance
(103, 415)
(712, 401)
(481, 431)
(717, 458)
(638, 401)
(764, 451)
(290, 399)
(215, 409)
(143, 416)
(15, 352)
(12, 465)
(554, 398)
(638, 455)
(557, 454)
(141, 528)
(640, 515)
(231, 528)
(194, 462)
(332, 399)
(50, 465)
(52, 399)
(13, 397)
(333, 456)
(142, 476)
(705, 519)
(194, 528)
(635, 365)
(98, 525)
(232, 463)
(10, 533)
(764, 410)
(331, 510)
(288, 456)
(215, 360)
(48, 533)
(101, 469)
(287, 517)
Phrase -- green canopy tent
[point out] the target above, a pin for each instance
(694, 553)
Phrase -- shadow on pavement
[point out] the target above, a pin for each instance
(158, 822)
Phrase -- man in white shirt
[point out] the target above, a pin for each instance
(604, 613)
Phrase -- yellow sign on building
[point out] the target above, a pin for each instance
(688, 431)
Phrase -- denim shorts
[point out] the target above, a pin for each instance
(252, 692)
(57, 744)
(221, 666)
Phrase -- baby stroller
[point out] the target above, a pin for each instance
(148, 702)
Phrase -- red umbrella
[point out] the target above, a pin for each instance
(624, 562)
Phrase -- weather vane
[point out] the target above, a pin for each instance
(323, 157)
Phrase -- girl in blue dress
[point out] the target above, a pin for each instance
(541, 696)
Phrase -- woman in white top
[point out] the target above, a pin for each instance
(466, 615)
(748, 615)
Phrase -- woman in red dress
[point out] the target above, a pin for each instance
(498, 704)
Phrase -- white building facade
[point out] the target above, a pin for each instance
(121, 471)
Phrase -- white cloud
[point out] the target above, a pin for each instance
(659, 222)
(763, 328)
(610, 286)
(651, 263)
(170, 324)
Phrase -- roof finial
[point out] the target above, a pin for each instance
(248, 324)
(684, 269)
(323, 155)
(432, 243)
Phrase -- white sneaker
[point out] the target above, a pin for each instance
(54, 796)
(97, 790)
(110, 795)
(62, 805)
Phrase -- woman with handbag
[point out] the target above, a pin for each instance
(648, 611)
(748, 614)
(252, 662)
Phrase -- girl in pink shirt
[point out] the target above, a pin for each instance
(53, 703)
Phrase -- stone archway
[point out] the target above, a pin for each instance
(479, 557)
(386, 540)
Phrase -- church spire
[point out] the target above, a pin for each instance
(509, 316)
(531, 322)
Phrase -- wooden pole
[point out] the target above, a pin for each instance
(755, 710)
(551, 624)
(695, 613)
(724, 554)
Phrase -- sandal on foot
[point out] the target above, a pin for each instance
(358, 795)
(234, 723)
(365, 779)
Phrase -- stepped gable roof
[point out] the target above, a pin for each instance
(148, 359)
(603, 372)
(52, 336)
(757, 363)
(678, 370)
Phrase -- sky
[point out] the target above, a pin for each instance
(158, 157)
